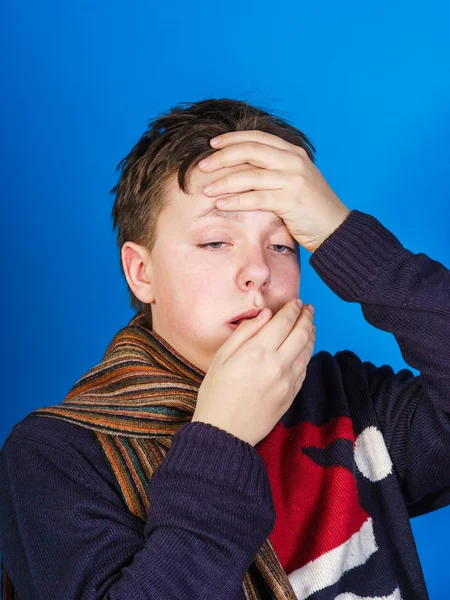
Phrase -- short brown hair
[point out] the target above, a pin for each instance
(177, 141)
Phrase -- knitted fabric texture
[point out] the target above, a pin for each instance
(135, 401)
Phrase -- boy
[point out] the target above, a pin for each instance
(208, 456)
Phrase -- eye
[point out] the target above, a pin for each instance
(211, 244)
(288, 248)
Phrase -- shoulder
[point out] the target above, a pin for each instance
(55, 433)
(56, 446)
(348, 372)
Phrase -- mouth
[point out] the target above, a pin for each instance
(235, 325)
(245, 316)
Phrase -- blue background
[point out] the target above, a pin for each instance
(369, 84)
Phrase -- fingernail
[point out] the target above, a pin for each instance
(311, 308)
(215, 141)
(299, 302)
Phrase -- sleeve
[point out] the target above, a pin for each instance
(408, 295)
(211, 510)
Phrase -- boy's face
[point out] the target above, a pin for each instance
(196, 291)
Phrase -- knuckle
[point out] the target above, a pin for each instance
(285, 322)
(258, 196)
(277, 372)
(285, 386)
(301, 379)
(298, 178)
(300, 158)
(303, 361)
(304, 336)
(258, 355)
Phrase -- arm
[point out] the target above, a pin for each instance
(409, 295)
(63, 535)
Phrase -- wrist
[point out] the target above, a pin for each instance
(337, 223)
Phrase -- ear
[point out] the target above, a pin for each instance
(137, 265)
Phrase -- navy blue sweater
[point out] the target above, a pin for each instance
(65, 532)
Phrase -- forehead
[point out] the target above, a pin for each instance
(201, 208)
(211, 213)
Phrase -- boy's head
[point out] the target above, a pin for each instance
(189, 293)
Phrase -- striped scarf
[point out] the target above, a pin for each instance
(135, 401)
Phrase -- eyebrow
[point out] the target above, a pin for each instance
(232, 215)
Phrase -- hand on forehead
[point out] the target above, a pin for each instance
(198, 178)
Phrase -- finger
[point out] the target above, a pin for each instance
(279, 327)
(296, 342)
(301, 365)
(255, 200)
(305, 355)
(245, 331)
(236, 137)
(242, 181)
(254, 153)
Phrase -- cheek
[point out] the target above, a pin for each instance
(286, 281)
(189, 284)
(194, 283)
(195, 268)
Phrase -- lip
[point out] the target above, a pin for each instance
(249, 314)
